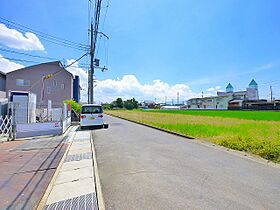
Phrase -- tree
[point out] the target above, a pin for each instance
(135, 103)
(131, 104)
(119, 103)
(107, 106)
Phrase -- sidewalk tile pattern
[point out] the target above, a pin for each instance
(85, 202)
(78, 157)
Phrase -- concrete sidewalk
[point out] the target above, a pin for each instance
(74, 187)
(26, 169)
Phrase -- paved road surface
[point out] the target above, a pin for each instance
(142, 168)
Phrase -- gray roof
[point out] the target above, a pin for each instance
(52, 63)
(3, 73)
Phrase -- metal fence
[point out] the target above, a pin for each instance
(6, 127)
(48, 122)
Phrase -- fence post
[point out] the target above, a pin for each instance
(14, 127)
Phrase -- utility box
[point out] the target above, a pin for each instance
(24, 104)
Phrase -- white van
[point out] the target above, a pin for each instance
(91, 115)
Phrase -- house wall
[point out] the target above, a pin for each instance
(210, 102)
(253, 94)
(222, 102)
(2, 82)
(57, 88)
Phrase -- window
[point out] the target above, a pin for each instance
(62, 86)
(22, 82)
(54, 83)
(91, 109)
(48, 90)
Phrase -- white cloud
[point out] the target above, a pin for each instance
(7, 65)
(129, 86)
(15, 39)
(213, 91)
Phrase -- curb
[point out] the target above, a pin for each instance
(154, 127)
(100, 199)
(43, 200)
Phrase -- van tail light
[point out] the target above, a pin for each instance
(100, 115)
(83, 117)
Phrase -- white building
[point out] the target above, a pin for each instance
(222, 100)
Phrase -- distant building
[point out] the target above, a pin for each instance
(261, 105)
(229, 88)
(252, 91)
(227, 99)
(2, 85)
(149, 104)
(170, 107)
(57, 88)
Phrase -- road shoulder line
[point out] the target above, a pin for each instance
(100, 199)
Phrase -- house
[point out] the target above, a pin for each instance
(2, 85)
(226, 100)
(49, 81)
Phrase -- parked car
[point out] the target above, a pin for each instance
(91, 115)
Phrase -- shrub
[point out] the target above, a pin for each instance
(74, 105)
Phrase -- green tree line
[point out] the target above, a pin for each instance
(121, 104)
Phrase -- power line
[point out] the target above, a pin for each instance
(102, 26)
(76, 60)
(26, 54)
(45, 36)
(57, 72)
(43, 33)
(36, 62)
(17, 59)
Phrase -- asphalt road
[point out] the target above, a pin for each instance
(143, 168)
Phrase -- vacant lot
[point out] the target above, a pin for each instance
(254, 132)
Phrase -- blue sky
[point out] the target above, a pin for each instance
(166, 44)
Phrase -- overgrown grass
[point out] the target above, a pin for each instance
(248, 115)
(258, 137)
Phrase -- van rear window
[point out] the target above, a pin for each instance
(91, 109)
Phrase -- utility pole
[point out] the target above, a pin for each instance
(202, 94)
(178, 95)
(91, 71)
(93, 40)
(271, 96)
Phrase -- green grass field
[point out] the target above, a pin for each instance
(248, 115)
(254, 132)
